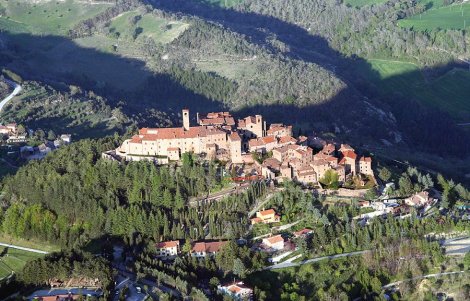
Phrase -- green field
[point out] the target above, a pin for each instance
(361, 3)
(13, 260)
(440, 17)
(40, 245)
(161, 30)
(230, 69)
(450, 92)
(52, 17)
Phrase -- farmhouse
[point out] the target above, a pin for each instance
(274, 242)
(205, 249)
(266, 217)
(167, 248)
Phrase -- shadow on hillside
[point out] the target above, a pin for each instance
(139, 91)
(60, 62)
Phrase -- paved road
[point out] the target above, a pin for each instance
(13, 94)
(457, 246)
(283, 265)
(23, 248)
(422, 277)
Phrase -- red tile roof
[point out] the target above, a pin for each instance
(208, 247)
(151, 134)
(350, 154)
(366, 159)
(167, 244)
(267, 212)
(274, 239)
(287, 139)
(303, 232)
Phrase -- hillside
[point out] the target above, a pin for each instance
(151, 58)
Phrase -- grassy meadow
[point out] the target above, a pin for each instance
(127, 25)
(13, 260)
(46, 17)
(440, 17)
(450, 92)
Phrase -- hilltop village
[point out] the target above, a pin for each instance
(250, 146)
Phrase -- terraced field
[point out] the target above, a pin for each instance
(450, 92)
(52, 17)
(441, 17)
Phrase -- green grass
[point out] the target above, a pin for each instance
(361, 3)
(14, 260)
(40, 245)
(159, 29)
(450, 92)
(440, 17)
(52, 17)
(229, 69)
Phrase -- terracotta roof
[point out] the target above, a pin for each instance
(167, 244)
(303, 232)
(173, 149)
(235, 137)
(272, 162)
(177, 133)
(350, 154)
(287, 139)
(256, 220)
(261, 141)
(267, 212)
(328, 149)
(319, 162)
(366, 159)
(274, 239)
(208, 247)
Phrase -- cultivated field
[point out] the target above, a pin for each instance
(53, 17)
(445, 17)
(449, 92)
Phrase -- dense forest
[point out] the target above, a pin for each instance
(73, 196)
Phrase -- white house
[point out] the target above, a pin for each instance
(275, 242)
(167, 248)
(237, 290)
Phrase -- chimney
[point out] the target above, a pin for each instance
(197, 117)
(186, 119)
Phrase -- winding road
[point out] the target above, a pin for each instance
(12, 94)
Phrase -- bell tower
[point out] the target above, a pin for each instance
(186, 119)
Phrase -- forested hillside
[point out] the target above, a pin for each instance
(73, 195)
(329, 66)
